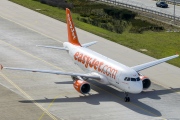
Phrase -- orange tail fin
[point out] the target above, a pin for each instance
(72, 36)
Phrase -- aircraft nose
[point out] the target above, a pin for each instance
(136, 87)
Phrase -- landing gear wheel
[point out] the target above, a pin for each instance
(126, 99)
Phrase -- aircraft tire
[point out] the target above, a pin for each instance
(127, 99)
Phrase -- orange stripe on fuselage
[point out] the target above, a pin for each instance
(72, 36)
(96, 65)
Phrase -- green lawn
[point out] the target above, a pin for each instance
(157, 44)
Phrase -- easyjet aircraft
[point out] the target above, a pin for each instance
(99, 67)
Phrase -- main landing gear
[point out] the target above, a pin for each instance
(126, 99)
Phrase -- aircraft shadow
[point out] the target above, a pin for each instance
(107, 93)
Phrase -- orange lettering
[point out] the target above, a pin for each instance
(114, 72)
(76, 55)
(103, 70)
(87, 61)
(96, 65)
(99, 69)
(92, 64)
(84, 59)
(80, 57)
(108, 71)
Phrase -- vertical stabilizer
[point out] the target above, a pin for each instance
(72, 36)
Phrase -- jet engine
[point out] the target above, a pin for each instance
(145, 81)
(82, 86)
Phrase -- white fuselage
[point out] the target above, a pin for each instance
(110, 71)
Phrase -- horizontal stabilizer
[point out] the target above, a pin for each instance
(53, 47)
(89, 44)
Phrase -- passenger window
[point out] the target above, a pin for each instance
(125, 78)
(128, 79)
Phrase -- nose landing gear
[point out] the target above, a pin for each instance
(126, 99)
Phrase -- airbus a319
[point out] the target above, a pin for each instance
(99, 67)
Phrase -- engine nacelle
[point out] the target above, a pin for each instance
(146, 82)
(82, 86)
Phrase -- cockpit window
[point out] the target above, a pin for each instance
(133, 79)
(138, 79)
(128, 79)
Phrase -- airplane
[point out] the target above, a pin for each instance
(99, 67)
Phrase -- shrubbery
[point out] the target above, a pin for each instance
(120, 13)
(117, 26)
(112, 19)
(142, 29)
(113, 26)
(139, 26)
(102, 15)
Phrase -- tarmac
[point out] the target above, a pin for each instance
(26, 95)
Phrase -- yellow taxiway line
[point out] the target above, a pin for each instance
(28, 97)
(40, 118)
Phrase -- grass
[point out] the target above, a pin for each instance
(157, 44)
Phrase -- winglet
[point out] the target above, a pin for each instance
(1, 67)
(72, 36)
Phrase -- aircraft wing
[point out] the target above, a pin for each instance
(54, 72)
(153, 63)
